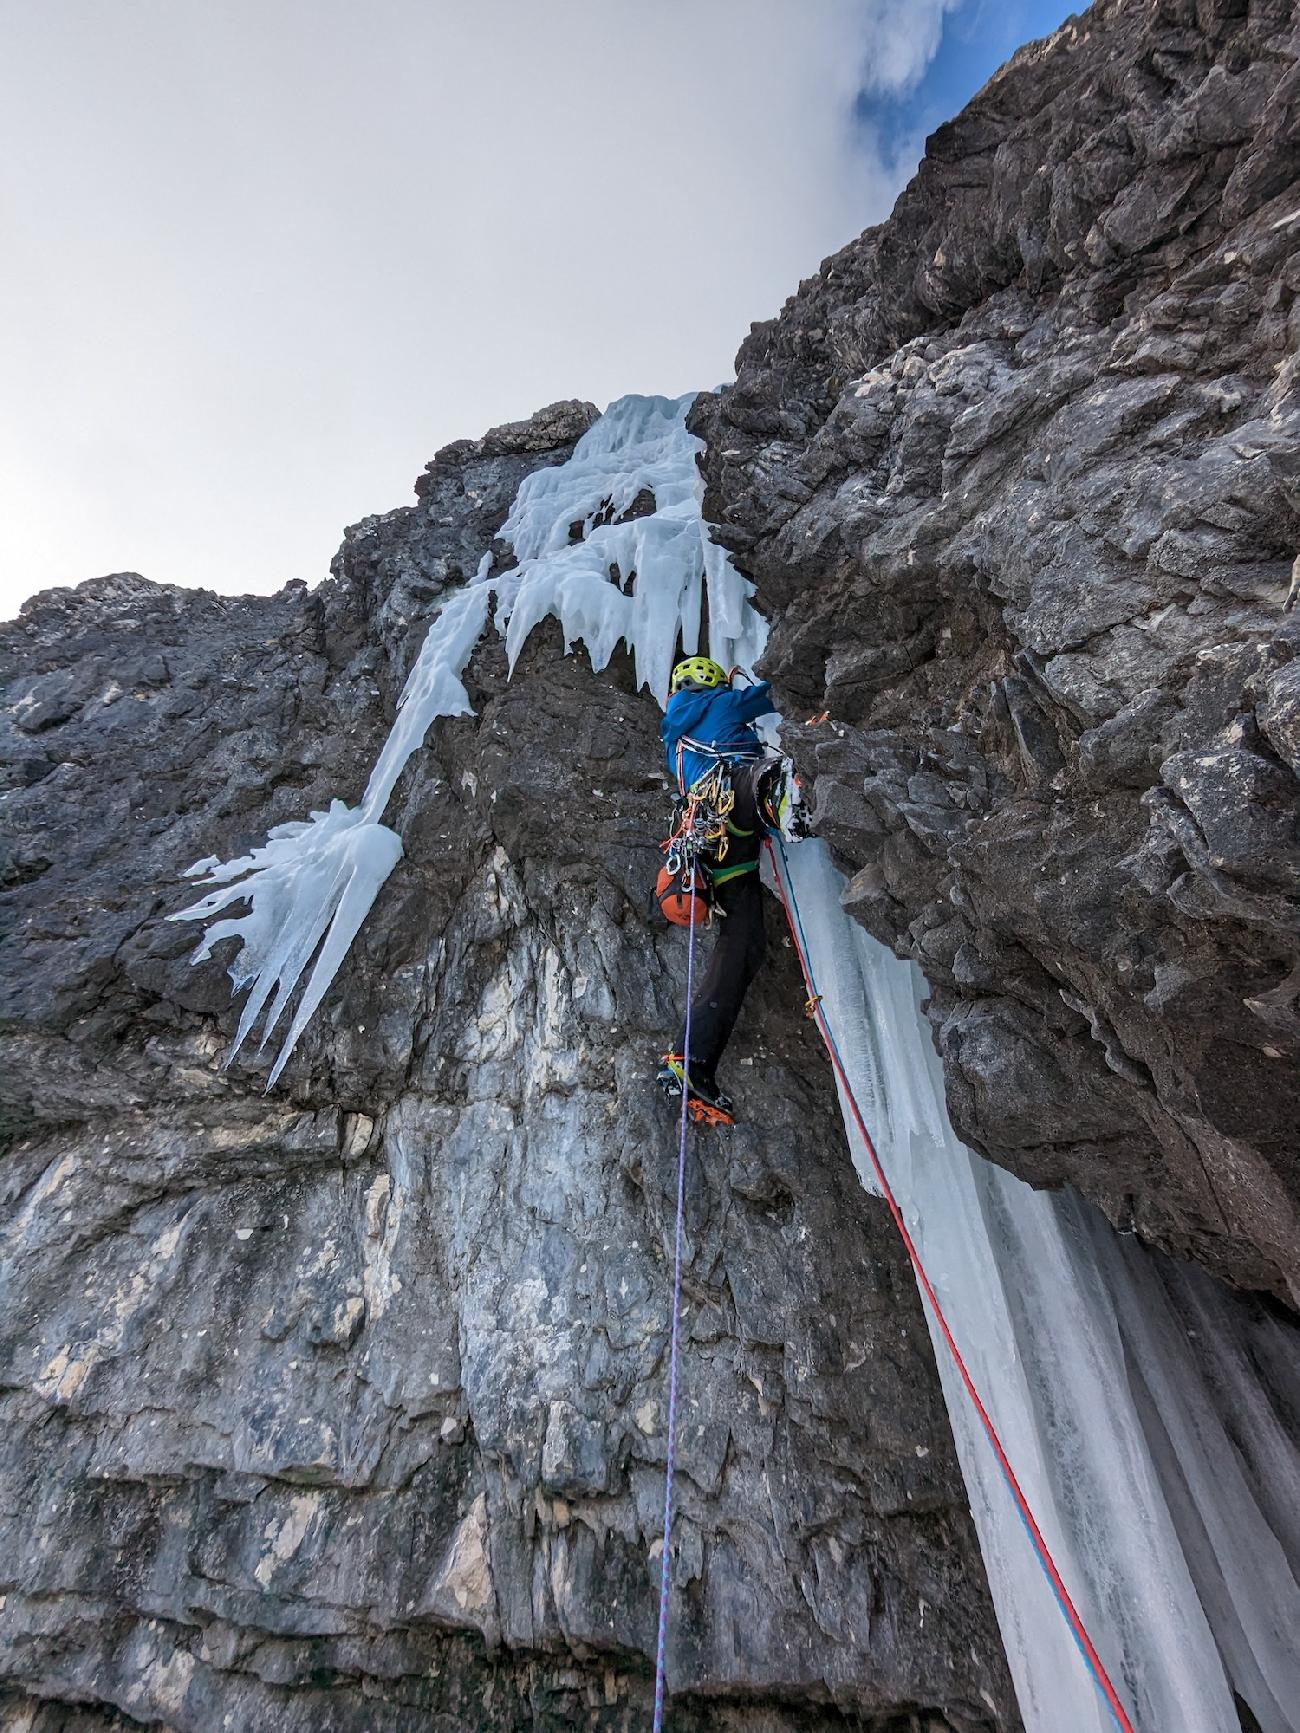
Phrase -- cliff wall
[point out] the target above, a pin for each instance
(1018, 477)
(343, 1408)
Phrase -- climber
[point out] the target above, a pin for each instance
(741, 790)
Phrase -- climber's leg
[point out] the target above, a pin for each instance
(737, 957)
(739, 945)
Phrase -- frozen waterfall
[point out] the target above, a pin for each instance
(313, 882)
(1135, 1398)
(1164, 1478)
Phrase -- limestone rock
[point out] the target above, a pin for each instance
(1016, 474)
(343, 1408)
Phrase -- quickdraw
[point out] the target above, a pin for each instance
(696, 849)
(700, 827)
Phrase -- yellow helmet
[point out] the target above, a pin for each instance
(697, 674)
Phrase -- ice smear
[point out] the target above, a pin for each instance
(312, 883)
(434, 686)
(642, 583)
(1160, 1468)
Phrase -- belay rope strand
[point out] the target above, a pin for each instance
(673, 1338)
(1069, 1612)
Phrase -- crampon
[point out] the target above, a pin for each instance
(704, 1105)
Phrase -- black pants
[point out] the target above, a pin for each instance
(740, 945)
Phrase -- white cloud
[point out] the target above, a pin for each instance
(263, 260)
(901, 41)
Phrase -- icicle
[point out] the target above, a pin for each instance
(640, 583)
(313, 884)
(308, 881)
(434, 687)
(640, 446)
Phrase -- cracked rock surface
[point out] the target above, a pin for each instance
(340, 1410)
(1018, 477)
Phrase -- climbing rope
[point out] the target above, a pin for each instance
(673, 1349)
(816, 1010)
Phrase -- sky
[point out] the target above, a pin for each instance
(264, 257)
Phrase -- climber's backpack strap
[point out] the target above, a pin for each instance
(742, 753)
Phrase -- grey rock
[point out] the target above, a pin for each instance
(1016, 475)
(343, 1408)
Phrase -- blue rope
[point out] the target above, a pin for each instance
(674, 1354)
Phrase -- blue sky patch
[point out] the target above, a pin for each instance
(978, 36)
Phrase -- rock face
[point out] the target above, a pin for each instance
(1018, 477)
(342, 1408)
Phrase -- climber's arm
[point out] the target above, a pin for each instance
(750, 702)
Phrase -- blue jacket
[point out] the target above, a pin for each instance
(720, 718)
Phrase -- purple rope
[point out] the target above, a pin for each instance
(677, 1306)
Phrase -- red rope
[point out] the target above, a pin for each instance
(1068, 1608)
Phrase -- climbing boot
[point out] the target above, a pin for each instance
(705, 1102)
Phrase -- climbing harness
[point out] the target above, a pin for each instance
(721, 759)
(701, 814)
(702, 821)
(816, 1010)
(673, 1336)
